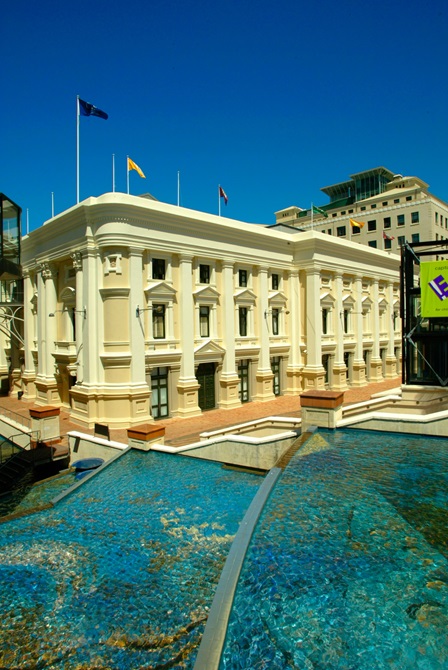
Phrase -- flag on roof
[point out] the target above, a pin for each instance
(318, 210)
(356, 224)
(388, 237)
(87, 109)
(222, 194)
(134, 166)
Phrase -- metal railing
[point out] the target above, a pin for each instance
(21, 420)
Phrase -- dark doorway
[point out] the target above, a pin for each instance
(206, 377)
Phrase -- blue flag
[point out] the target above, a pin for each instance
(86, 109)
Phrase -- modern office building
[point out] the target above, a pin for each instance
(390, 209)
(137, 310)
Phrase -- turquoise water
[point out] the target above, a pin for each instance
(120, 574)
(348, 567)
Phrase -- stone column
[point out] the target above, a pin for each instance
(376, 374)
(92, 334)
(313, 373)
(294, 369)
(359, 366)
(187, 386)
(339, 379)
(46, 383)
(29, 371)
(391, 361)
(264, 374)
(139, 390)
(80, 316)
(229, 380)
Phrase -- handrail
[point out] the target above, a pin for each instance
(16, 417)
(9, 447)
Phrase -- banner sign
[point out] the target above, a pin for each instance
(434, 289)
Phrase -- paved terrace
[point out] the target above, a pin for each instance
(183, 431)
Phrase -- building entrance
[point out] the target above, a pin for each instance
(206, 378)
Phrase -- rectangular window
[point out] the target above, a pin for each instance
(372, 206)
(159, 393)
(243, 374)
(384, 203)
(416, 237)
(158, 322)
(204, 321)
(396, 200)
(340, 231)
(437, 217)
(409, 197)
(387, 243)
(356, 230)
(204, 274)
(158, 268)
(363, 209)
(373, 244)
(400, 220)
(242, 278)
(371, 225)
(274, 282)
(275, 321)
(275, 367)
(387, 222)
(324, 321)
(415, 217)
(346, 320)
(242, 313)
(401, 240)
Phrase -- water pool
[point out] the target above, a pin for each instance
(120, 573)
(348, 566)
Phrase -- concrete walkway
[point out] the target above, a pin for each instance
(182, 431)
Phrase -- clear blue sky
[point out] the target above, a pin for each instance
(272, 100)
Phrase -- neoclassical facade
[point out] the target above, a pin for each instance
(136, 310)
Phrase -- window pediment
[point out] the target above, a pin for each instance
(206, 293)
(348, 302)
(161, 290)
(277, 297)
(245, 295)
(67, 295)
(210, 347)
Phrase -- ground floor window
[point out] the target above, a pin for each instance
(275, 367)
(347, 362)
(243, 374)
(159, 393)
(326, 364)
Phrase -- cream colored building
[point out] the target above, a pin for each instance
(393, 209)
(137, 310)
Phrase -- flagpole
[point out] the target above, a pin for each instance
(127, 173)
(77, 149)
(113, 173)
(219, 199)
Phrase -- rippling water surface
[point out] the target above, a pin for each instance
(122, 572)
(348, 567)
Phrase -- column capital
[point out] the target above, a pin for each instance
(48, 270)
(76, 257)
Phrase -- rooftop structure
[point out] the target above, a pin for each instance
(377, 208)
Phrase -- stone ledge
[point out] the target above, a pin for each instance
(322, 399)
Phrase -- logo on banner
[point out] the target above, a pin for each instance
(434, 289)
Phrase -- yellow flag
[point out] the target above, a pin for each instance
(134, 166)
(357, 224)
